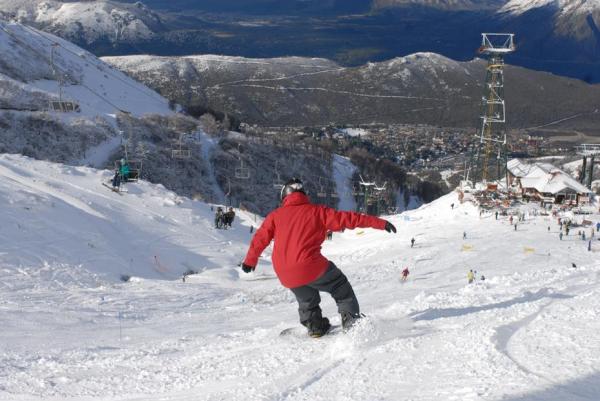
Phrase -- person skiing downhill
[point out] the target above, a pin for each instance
(298, 228)
(405, 273)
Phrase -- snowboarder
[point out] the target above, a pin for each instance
(598, 226)
(412, 242)
(298, 228)
(470, 276)
(405, 273)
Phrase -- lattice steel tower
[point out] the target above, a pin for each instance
(492, 136)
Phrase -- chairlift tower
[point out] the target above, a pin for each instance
(492, 135)
(57, 76)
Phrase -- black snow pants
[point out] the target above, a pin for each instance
(334, 282)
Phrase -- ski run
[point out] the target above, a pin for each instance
(73, 330)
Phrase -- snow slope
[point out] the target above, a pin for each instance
(98, 88)
(71, 331)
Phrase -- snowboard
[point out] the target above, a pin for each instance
(300, 331)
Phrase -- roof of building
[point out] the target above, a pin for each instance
(545, 178)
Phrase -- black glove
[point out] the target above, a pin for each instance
(247, 269)
(389, 227)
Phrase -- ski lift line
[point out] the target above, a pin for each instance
(100, 66)
(341, 92)
(19, 41)
(561, 120)
(303, 74)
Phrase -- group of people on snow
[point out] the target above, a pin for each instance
(472, 276)
(224, 219)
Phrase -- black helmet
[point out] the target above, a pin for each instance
(293, 185)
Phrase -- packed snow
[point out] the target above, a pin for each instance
(71, 330)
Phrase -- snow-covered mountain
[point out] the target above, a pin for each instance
(85, 22)
(577, 19)
(72, 330)
(562, 7)
(440, 4)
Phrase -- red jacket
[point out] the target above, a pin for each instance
(299, 228)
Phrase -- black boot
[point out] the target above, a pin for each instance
(348, 319)
(318, 328)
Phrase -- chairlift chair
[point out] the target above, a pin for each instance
(181, 154)
(135, 170)
(321, 192)
(241, 172)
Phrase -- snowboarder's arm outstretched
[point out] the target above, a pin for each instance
(336, 220)
(260, 241)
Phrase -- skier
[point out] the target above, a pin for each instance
(510, 220)
(116, 180)
(298, 229)
(583, 235)
(496, 215)
(412, 242)
(482, 277)
(560, 235)
(589, 245)
(405, 273)
(515, 226)
(452, 206)
(470, 276)
(464, 235)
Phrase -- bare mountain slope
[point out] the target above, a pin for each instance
(420, 88)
